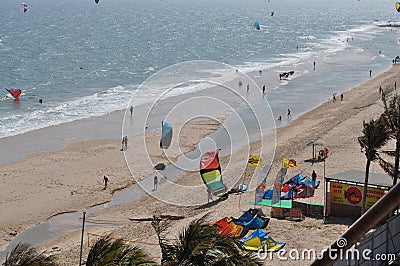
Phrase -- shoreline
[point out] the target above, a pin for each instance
(287, 133)
(342, 157)
(58, 136)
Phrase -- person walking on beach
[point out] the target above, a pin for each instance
(341, 97)
(209, 195)
(314, 65)
(314, 175)
(155, 182)
(334, 97)
(380, 90)
(248, 88)
(131, 109)
(370, 73)
(105, 180)
(288, 114)
(264, 90)
(123, 144)
(280, 118)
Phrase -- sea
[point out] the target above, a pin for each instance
(86, 60)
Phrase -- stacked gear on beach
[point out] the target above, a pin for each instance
(250, 220)
(295, 188)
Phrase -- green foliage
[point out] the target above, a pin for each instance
(200, 244)
(107, 252)
(375, 136)
(26, 255)
(391, 118)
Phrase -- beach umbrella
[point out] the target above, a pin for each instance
(314, 143)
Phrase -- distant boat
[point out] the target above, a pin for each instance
(257, 25)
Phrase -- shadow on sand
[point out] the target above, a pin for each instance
(211, 204)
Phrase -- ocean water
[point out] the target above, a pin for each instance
(85, 59)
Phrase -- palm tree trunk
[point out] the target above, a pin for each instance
(396, 163)
(365, 186)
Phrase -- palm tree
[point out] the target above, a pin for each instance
(375, 136)
(391, 117)
(200, 244)
(107, 252)
(26, 255)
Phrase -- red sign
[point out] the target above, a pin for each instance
(353, 195)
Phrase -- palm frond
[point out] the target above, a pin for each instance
(107, 252)
(201, 244)
(375, 137)
(26, 255)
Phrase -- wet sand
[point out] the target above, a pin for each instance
(41, 186)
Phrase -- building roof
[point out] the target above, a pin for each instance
(355, 176)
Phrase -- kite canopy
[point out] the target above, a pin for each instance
(210, 171)
(14, 92)
(398, 6)
(296, 187)
(25, 6)
(166, 135)
(259, 240)
(96, 1)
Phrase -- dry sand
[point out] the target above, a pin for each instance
(40, 186)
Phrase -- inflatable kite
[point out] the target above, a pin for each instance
(166, 135)
(210, 171)
(14, 92)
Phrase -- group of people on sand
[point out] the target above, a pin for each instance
(334, 97)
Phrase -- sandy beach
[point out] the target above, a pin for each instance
(70, 179)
